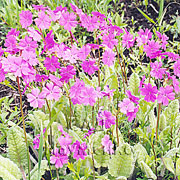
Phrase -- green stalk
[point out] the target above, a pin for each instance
(157, 125)
(161, 8)
(24, 127)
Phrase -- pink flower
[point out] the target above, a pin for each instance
(52, 63)
(2, 73)
(176, 68)
(156, 70)
(36, 141)
(59, 159)
(25, 18)
(106, 118)
(90, 131)
(27, 44)
(163, 38)
(56, 80)
(35, 34)
(89, 96)
(132, 115)
(126, 106)
(89, 67)
(108, 92)
(43, 21)
(134, 99)
(70, 54)
(51, 92)
(79, 150)
(127, 40)
(108, 145)
(65, 144)
(30, 57)
(67, 73)
(152, 49)
(40, 78)
(143, 37)
(13, 32)
(175, 84)
(36, 99)
(11, 44)
(149, 92)
(84, 52)
(109, 41)
(49, 41)
(68, 20)
(108, 57)
(165, 94)
(39, 7)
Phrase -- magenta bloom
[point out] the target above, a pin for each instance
(127, 40)
(40, 78)
(156, 70)
(51, 92)
(11, 44)
(149, 92)
(143, 37)
(69, 54)
(134, 99)
(175, 84)
(43, 21)
(36, 141)
(126, 106)
(89, 96)
(108, 57)
(108, 145)
(165, 94)
(2, 73)
(84, 52)
(132, 115)
(13, 32)
(68, 20)
(65, 144)
(106, 118)
(35, 34)
(163, 39)
(89, 67)
(67, 73)
(35, 98)
(56, 80)
(27, 44)
(79, 150)
(59, 159)
(25, 18)
(52, 63)
(176, 68)
(108, 92)
(49, 41)
(109, 41)
(152, 49)
(90, 131)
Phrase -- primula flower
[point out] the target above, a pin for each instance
(89, 96)
(176, 68)
(67, 73)
(84, 52)
(56, 80)
(13, 32)
(36, 141)
(106, 118)
(163, 38)
(52, 63)
(35, 34)
(108, 57)
(109, 41)
(65, 144)
(165, 94)
(68, 20)
(25, 18)
(1, 51)
(108, 92)
(79, 150)
(49, 41)
(2, 73)
(40, 78)
(89, 67)
(69, 54)
(127, 40)
(90, 131)
(107, 144)
(43, 21)
(152, 49)
(134, 99)
(156, 70)
(30, 57)
(35, 98)
(143, 37)
(149, 92)
(11, 44)
(132, 115)
(27, 44)
(39, 7)
(175, 84)
(58, 158)
(126, 106)
(51, 92)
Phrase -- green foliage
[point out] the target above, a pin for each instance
(140, 153)
(147, 170)
(9, 170)
(122, 164)
(43, 168)
(17, 150)
(134, 83)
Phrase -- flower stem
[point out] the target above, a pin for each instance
(24, 128)
(157, 125)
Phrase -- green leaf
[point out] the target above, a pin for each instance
(168, 162)
(147, 170)
(17, 150)
(134, 83)
(178, 167)
(122, 164)
(9, 170)
(140, 152)
(43, 168)
(146, 16)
